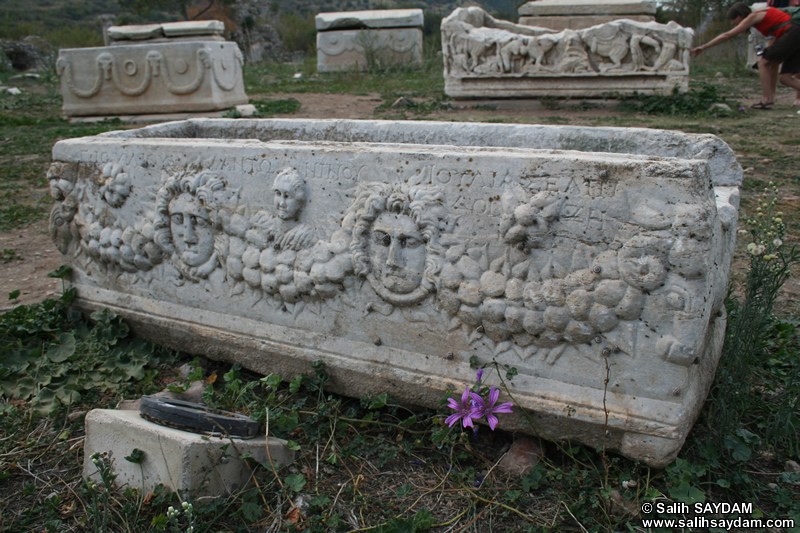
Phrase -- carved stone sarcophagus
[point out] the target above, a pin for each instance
(157, 68)
(487, 57)
(592, 260)
(364, 39)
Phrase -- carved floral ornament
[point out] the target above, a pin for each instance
(530, 291)
(133, 78)
(476, 45)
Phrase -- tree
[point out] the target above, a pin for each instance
(692, 13)
(145, 7)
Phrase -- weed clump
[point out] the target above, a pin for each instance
(697, 101)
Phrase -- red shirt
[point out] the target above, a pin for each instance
(772, 18)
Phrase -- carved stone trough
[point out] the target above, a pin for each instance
(592, 260)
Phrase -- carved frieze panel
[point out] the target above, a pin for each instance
(475, 47)
(565, 265)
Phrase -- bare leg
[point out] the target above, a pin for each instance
(768, 74)
(790, 81)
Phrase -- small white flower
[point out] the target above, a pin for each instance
(777, 243)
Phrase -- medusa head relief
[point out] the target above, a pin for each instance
(395, 239)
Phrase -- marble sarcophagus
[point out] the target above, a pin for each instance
(592, 260)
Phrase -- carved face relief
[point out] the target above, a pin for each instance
(287, 205)
(191, 230)
(397, 252)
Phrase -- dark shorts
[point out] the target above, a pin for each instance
(786, 50)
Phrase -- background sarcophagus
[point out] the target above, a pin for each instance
(397, 252)
(153, 71)
(487, 57)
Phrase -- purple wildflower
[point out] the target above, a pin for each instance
(465, 411)
(488, 410)
(480, 375)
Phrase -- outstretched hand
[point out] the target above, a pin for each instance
(696, 51)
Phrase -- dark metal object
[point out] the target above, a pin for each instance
(197, 418)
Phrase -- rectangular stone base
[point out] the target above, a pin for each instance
(596, 86)
(190, 463)
(151, 77)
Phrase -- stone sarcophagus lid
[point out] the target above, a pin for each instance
(363, 39)
(486, 57)
(155, 68)
(578, 14)
(592, 260)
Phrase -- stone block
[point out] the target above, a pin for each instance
(398, 252)
(194, 465)
(209, 29)
(151, 77)
(377, 18)
(360, 39)
(621, 8)
(358, 49)
(484, 57)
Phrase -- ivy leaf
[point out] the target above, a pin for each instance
(45, 402)
(58, 353)
(740, 451)
(13, 295)
(61, 272)
(296, 383)
(687, 493)
(295, 482)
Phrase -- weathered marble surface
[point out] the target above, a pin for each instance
(572, 254)
(360, 39)
(588, 7)
(486, 58)
(376, 18)
(154, 68)
(207, 28)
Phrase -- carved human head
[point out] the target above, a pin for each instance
(289, 194)
(185, 211)
(395, 239)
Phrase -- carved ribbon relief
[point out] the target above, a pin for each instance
(532, 289)
(614, 48)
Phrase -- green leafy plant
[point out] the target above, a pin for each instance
(696, 101)
(52, 356)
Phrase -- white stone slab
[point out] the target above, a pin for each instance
(378, 18)
(485, 59)
(193, 464)
(151, 77)
(193, 27)
(138, 32)
(588, 7)
(279, 243)
(360, 49)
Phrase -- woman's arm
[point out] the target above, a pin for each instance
(748, 22)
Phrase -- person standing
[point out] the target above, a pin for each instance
(785, 47)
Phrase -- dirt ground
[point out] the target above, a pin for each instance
(29, 255)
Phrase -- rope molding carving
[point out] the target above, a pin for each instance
(115, 71)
